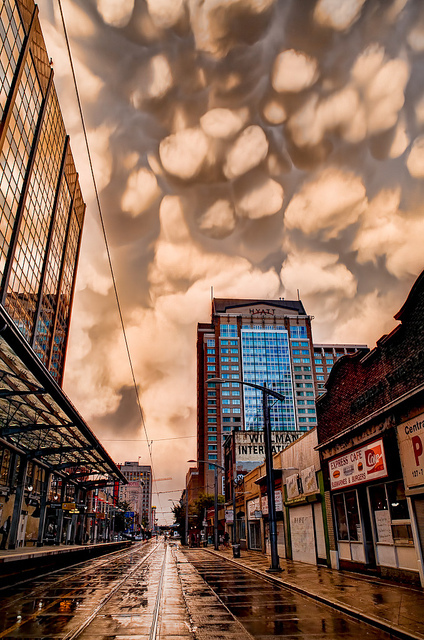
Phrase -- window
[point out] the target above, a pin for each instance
(234, 368)
(211, 359)
(226, 401)
(234, 376)
(225, 359)
(211, 367)
(305, 360)
(389, 506)
(210, 343)
(211, 351)
(320, 378)
(234, 359)
(226, 411)
(212, 438)
(234, 350)
(236, 401)
(320, 370)
(211, 429)
(296, 360)
(235, 410)
(226, 420)
(226, 393)
(233, 343)
(225, 367)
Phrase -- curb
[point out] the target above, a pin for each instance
(391, 629)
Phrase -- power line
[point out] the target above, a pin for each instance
(115, 289)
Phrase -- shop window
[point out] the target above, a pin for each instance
(390, 512)
(347, 516)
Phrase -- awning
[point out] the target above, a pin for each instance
(262, 480)
(39, 421)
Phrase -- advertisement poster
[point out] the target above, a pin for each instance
(309, 480)
(278, 497)
(292, 486)
(362, 464)
(410, 436)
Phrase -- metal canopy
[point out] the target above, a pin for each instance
(39, 421)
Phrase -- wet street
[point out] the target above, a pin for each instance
(158, 590)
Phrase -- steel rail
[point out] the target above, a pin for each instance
(77, 632)
(156, 610)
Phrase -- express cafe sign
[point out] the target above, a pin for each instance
(363, 464)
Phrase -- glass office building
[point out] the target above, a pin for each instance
(266, 361)
(41, 206)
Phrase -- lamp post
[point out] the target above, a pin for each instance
(215, 502)
(275, 562)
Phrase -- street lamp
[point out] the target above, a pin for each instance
(215, 502)
(275, 562)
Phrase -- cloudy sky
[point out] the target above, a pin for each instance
(258, 147)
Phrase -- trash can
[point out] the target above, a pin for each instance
(236, 551)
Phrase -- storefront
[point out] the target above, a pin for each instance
(254, 519)
(371, 443)
(305, 519)
(372, 520)
(410, 436)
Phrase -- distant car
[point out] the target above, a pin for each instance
(176, 535)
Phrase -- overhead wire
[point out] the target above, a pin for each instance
(115, 288)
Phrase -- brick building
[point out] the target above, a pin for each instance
(371, 435)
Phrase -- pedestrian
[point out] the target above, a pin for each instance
(226, 539)
(4, 530)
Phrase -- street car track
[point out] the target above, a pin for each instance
(43, 590)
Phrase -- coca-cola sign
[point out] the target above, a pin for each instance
(362, 464)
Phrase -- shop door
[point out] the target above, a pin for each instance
(255, 536)
(302, 534)
(419, 514)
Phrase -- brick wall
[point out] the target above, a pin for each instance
(364, 382)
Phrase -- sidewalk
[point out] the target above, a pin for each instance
(31, 552)
(394, 608)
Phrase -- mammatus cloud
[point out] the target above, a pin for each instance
(259, 147)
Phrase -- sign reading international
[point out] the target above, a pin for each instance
(362, 464)
(250, 444)
(411, 447)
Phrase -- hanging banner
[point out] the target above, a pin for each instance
(363, 464)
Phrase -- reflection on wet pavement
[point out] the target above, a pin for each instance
(267, 610)
(203, 597)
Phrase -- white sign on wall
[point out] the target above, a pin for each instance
(411, 447)
(363, 464)
(384, 525)
(252, 506)
(309, 480)
(292, 486)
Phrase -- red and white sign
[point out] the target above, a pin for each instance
(363, 464)
(411, 447)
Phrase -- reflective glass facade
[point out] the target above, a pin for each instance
(41, 206)
(266, 361)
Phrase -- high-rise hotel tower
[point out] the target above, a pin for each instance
(41, 206)
(261, 342)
